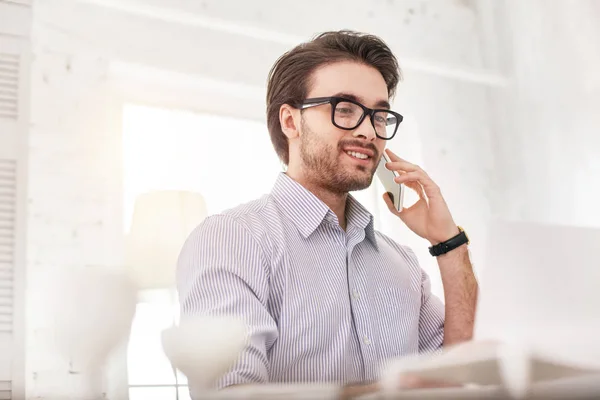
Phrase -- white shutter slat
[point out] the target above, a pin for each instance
(7, 175)
(6, 295)
(5, 322)
(5, 390)
(7, 216)
(13, 130)
(6, 310)
(15, 60)
(9, 85)
(8, 189)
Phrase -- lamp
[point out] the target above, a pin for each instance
(162, 221)
(201, 347)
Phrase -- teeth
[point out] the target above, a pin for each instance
(358, 155)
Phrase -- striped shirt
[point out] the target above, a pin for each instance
(322, 304)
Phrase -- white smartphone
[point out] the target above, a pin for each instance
(386, 177)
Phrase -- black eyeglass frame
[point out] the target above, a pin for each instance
(319, 101)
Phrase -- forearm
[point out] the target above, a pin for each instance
(460, 295)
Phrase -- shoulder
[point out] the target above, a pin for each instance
(224, 250)
(231, 240)
(247, 222)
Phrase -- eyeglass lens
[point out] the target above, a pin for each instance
(347, 115)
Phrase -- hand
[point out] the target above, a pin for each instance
(429, 217)
(406, 382)
(415, 382)
(357, 391)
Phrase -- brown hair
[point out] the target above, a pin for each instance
(288, 81)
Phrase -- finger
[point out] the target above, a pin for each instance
(404, 177)
(389, 202)
(418, 176)
(393, 156)
(358, 391)
(416, 382)
(402, 165)
(431, 189)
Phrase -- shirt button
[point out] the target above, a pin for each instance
(367, 341)
(355, 294)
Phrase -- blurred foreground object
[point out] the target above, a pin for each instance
(275, 391)
(537, 323)
(162, 221)
(89, 311)
(204, 349)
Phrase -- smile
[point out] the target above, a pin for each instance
(358, 155)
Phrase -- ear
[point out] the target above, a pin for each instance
(289, 118)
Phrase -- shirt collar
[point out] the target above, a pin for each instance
(358, 216)
(307, 211)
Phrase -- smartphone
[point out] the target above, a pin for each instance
(386, 177)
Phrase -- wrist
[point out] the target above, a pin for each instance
(449, 234)
(460, 252)
(451, 244)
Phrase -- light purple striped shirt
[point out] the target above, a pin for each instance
(323, 304)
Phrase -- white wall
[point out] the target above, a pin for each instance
(89, 57)
(85, 56)
(74, 189)
(15, 58)
(547, 119)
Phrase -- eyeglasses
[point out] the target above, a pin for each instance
(348, 115)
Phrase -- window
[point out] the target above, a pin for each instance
(228, 161)
(149, 371)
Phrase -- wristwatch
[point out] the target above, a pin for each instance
(450, 244)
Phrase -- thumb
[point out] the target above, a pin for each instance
(388, 197)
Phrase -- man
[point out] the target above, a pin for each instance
(327, 298)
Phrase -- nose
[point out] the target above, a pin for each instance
(365, 130)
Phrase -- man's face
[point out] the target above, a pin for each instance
(328, 153)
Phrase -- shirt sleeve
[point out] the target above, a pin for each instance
(431, 320)
(222, 271)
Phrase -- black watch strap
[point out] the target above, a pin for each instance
(450, 244)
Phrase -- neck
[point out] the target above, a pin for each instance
(335, 201)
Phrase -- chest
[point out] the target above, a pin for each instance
(336, 286)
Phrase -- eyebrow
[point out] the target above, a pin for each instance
(349, 96)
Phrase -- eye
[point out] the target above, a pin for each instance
(346, 109)
(380, 120)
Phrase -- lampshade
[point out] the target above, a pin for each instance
(162, 221)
